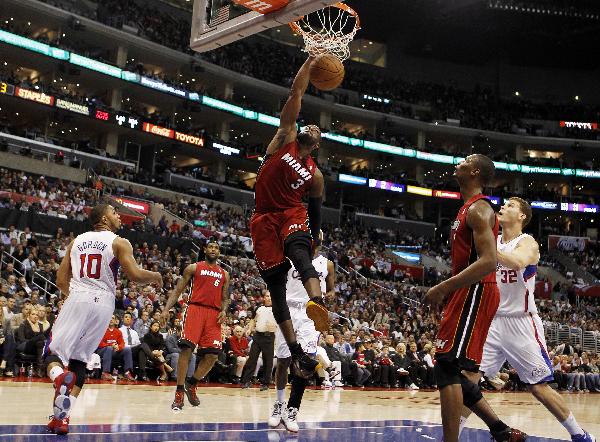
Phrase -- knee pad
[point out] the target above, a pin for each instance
(298, 248)
(471, 392)
(78, 367)
(51, 358)
(276, 279)
(447, 373)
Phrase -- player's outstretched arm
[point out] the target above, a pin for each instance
(225, 300)
(526, 253)
(480, 219)
(289, 114)
(188, 274)
(63, 274)
(124, 253)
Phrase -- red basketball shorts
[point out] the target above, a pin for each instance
(465, 322)
(200, 326)
(269, 232)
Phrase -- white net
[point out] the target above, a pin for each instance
(328, 31)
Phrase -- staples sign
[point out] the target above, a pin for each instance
(138, 206)
(38, 97)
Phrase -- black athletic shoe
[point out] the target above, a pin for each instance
(304, 366)
(509, 435)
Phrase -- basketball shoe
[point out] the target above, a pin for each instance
(190, 392)
(177, 404)
(59, 427)
(289, 419)
(318, 313)
(304, 366)
(277, 414)
(585, 437)
(509, 435)
(63, 384)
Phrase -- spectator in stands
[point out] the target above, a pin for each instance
(112, 347)
(30, 339)
(173, 351)
(142, 325)
(7, 346)
(403, 362)
(340, 361)
(153, 347)
(361, 374)
(237, 353)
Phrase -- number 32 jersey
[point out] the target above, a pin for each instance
(516, 287)
(283, 179)
(93, 264)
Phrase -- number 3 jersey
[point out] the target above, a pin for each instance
(93, 264)
(283, 179)
(516, 286)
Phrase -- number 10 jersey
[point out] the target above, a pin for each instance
(516, 287)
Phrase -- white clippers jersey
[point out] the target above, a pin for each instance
(295, 290)
(516, 286)
(93, 263)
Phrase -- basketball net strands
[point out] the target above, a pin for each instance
(325, 25)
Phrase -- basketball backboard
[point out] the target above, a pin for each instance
(216, 23)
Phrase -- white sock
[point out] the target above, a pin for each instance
(463, 422)
(572, 426)
(73, 399)
(281, 395)
(55, 372)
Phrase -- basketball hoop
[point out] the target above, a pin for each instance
(328, 31)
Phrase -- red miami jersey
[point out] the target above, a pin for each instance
(283, 179)
(207, 287)
(463, 246)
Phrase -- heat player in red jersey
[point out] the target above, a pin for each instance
(281, 227)
(206, 309)
(471, 299)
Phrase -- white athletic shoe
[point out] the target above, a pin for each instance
(413, 387)
(338, 384)
(277, 414)
(289, 419)
(326, 384)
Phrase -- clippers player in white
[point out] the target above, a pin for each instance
(87, 276)
(517, 334)
(308, 338)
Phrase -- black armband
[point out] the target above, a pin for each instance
(314, 216)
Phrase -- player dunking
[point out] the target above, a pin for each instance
(87, 276)
(281, 227)
(472, 300)
(204, 313)
(517, 333)
(307, 336)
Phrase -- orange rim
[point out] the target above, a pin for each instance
(343, 6)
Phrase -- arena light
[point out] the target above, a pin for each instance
(95, 65)
(387, 185)
(423, 191)
(352, 179)
(579, 125)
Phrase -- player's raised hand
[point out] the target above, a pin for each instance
(164, 318)
(222, 317)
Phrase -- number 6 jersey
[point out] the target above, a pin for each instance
(516, 286)
(93, 264)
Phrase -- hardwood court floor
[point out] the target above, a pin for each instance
(142, 412)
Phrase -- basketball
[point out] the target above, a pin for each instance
(326, 72)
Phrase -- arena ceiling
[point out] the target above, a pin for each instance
(547, 33)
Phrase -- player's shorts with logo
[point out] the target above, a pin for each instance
(520, 341)
(306, 334)
(200, 326)
(80, 325)
(465, 322)
(270, 230)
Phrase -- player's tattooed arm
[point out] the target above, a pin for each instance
(526, 253)
(225, 300)
(64, 273)
(480, 219)
(291, 110)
